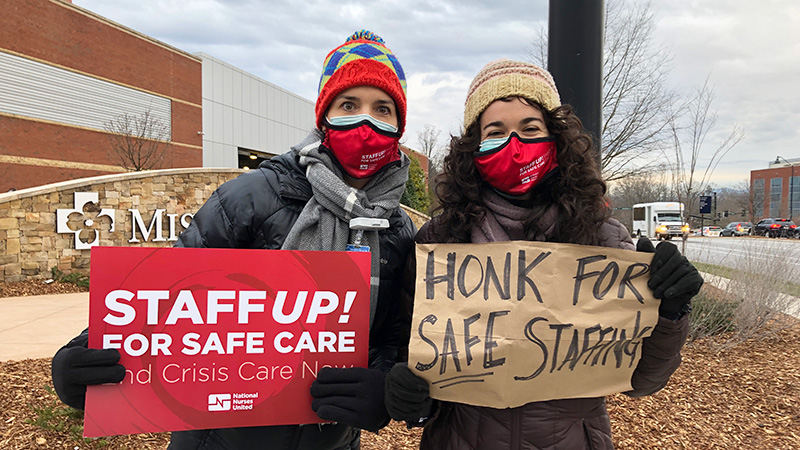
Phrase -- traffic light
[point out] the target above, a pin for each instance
(726, 213)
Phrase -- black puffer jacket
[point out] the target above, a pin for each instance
(256, 210)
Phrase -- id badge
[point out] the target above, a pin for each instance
(357, 248)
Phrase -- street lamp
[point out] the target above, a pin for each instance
(791, 182)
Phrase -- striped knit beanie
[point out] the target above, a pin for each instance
(363, 60)
(506, 78)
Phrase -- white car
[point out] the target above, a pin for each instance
(712, 231)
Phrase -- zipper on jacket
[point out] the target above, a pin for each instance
(586, 433)
(516, 419)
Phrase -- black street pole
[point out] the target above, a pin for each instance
(575, 59)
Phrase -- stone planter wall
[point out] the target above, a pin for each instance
(30, 246)
(146, 209)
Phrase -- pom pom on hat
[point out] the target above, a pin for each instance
(363, 60)
(365, 35)
(506, 78)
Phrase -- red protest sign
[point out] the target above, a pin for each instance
(217, 338)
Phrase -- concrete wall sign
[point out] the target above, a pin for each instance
(56, 225)
(156, 225)
(139, 227)
(81, 200)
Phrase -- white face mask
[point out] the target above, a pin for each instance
(343, 121)
(491, 144)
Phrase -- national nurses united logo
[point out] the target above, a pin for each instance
(238, 401)
(219, 402)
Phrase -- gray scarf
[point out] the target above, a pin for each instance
(503, 221)
(324, 223)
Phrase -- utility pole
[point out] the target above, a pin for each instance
(575, 59)
(715, 208)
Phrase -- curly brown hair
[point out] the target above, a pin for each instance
(577, 189)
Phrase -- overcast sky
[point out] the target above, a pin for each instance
(751, 50)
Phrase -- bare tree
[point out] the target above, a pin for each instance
(735, 201)
(642, 188)
(690, 150)
(757, 200)
(743, 199)
(637, 100)
(428, 142)
(138, 142)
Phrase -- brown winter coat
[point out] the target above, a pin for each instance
(569, 424)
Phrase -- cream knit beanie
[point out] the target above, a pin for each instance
(506, 78)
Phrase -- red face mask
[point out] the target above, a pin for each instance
(362, 149)
(517, 165)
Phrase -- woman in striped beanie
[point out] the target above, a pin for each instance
(524, 169)
(348, 167)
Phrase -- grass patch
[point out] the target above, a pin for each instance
(721, 271)
(61, 418)
(713, 313)
(75, 278)
(749, 305)
(786, 287)
(58, 417)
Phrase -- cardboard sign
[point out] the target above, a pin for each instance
(505, 324)
(215, 338)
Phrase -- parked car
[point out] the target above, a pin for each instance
(774, 227)
(736, 229)
(712, 231)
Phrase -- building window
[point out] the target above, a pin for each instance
(250, 159)
(794, 190)
(775, 186)
(758, 197)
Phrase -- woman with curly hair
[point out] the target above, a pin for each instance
(569, 183)
(524, 169)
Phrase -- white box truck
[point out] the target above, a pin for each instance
(660, 220)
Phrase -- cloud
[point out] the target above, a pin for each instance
(750, 50)
(752, 53)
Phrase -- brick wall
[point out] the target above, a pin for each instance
(69, 36)
(784, 173)
(35, 152)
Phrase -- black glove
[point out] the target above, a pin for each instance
(645, 245)
(673, 279)
(407, 395)
(350, 396)
(74, 367)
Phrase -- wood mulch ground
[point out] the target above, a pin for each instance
(744, 398)
(37, 287)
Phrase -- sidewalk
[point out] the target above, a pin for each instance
(37, 326)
